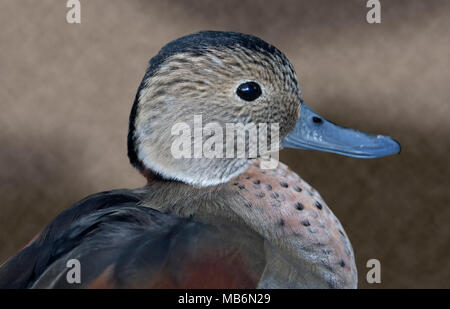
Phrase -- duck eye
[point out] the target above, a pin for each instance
(249, 91)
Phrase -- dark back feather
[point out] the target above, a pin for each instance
(121, 244)
(97, 224)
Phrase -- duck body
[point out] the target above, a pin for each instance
(207, 222)
(197, 238)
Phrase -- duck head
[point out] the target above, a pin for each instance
(225, 78)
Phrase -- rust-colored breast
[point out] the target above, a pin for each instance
(289, 212)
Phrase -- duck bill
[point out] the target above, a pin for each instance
(313, 132)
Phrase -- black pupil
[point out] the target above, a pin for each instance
(249, 91)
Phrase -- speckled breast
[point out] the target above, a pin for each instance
(306, 245)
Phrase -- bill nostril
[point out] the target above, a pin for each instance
(317, 120)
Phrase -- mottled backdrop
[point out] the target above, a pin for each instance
(66, 91)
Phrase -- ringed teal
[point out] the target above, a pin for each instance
(207, 222)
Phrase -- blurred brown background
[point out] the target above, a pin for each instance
(66, 92)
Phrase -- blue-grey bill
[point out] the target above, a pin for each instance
(313, 132)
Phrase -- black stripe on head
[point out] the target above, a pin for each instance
(196, 44)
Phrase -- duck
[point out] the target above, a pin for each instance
(207, 221)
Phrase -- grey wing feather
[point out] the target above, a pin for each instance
(109, 228)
